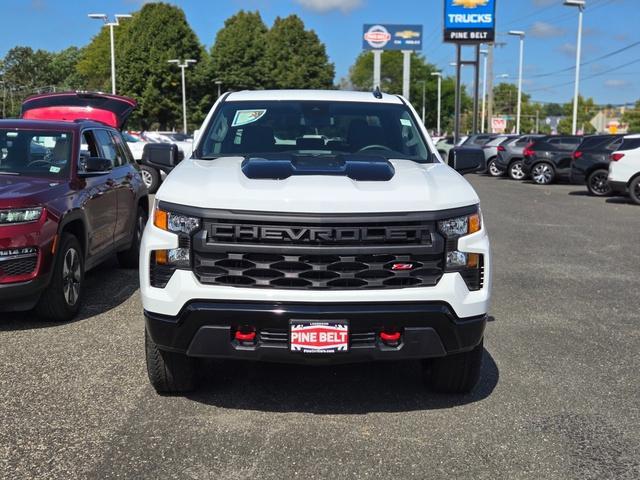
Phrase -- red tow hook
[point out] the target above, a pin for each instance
(246, 336)
(390, 338)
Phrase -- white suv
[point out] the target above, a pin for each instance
(624, 169)
(316, 227)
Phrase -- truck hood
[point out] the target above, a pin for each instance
(22, 191)
(221, 184)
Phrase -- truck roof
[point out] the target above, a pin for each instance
(311, 95)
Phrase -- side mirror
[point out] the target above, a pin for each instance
(466, 160)
(164, 156)
(95, 166)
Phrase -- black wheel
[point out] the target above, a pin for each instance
(634, 190)
(151, 178)
(543, 173)
(169, 372)
(493, 168)
(130, 257)
(60, 301)
(515, 170)
(457, 373)
(597, 183)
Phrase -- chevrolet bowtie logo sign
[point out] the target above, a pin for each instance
(470, 3)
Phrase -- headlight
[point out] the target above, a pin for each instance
(469, 265)
(460, 226)
(22, 215)
(175, 222)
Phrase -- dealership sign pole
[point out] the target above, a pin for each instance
(379, 37)
(468, 22)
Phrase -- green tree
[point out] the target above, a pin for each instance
(632, 117)
(94, 63)
(157, 33)
(506, 104)
(587, 109)
(296, 57)
(361, 77)
(237, 55)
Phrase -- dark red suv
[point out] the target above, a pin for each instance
(71, 195)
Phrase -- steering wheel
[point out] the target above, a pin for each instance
(375, 147)
(40, 160)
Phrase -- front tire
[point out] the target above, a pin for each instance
(458, 373)
(169, 372)
(151, 178)
(61, 300)
(543, 173)
(493, 169)
(130, 257)
(634, 190)
(516, 171)
(597, 183)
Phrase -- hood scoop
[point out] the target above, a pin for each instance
(356, 167)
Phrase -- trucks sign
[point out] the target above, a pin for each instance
(392, 37)
(469, 21)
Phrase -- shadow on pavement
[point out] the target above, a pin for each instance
(581, 193)
(620, 200)
(106, 287)
(335, 390)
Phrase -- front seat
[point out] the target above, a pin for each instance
(257, 139)
(361, 134)
(60, 153)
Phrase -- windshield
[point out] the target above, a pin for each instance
(313, 128)
(37, 153)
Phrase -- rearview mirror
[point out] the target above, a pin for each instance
(466, 160)
(164, 156)
(90, 166)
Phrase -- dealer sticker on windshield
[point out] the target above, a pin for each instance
(319, 337)
(244, 117)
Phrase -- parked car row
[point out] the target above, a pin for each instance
(605, 164)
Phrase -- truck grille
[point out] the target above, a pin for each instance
(318, 271)
(313, 252)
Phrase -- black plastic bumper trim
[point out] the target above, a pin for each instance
(203, 329)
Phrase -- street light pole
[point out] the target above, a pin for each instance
(182, 66)
(423, 82)
(484, 92)
(581, 4)
(219, 84)
(521, 34)
(115, 23)
(439, 75)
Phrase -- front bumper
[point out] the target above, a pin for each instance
(22, 296)
(205, 329)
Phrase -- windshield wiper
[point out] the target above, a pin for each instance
(8, 173)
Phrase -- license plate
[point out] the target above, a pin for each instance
(319, 337)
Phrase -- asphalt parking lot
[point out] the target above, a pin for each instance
(558, 399)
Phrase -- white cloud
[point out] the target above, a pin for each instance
(616, 83)
(545, 30)
(568, 49)
(323, 6)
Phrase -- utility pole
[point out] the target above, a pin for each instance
(182, 66)
(581, 6)
(111, 25)
(439, 75)
(490, 52)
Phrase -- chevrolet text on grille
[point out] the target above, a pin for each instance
(226, 232)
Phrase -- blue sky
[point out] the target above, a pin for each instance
(550, 44)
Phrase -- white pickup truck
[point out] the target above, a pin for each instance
(316, 227)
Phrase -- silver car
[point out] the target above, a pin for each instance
(510, 156)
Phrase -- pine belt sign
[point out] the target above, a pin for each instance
(392, 37)
(469, 21)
